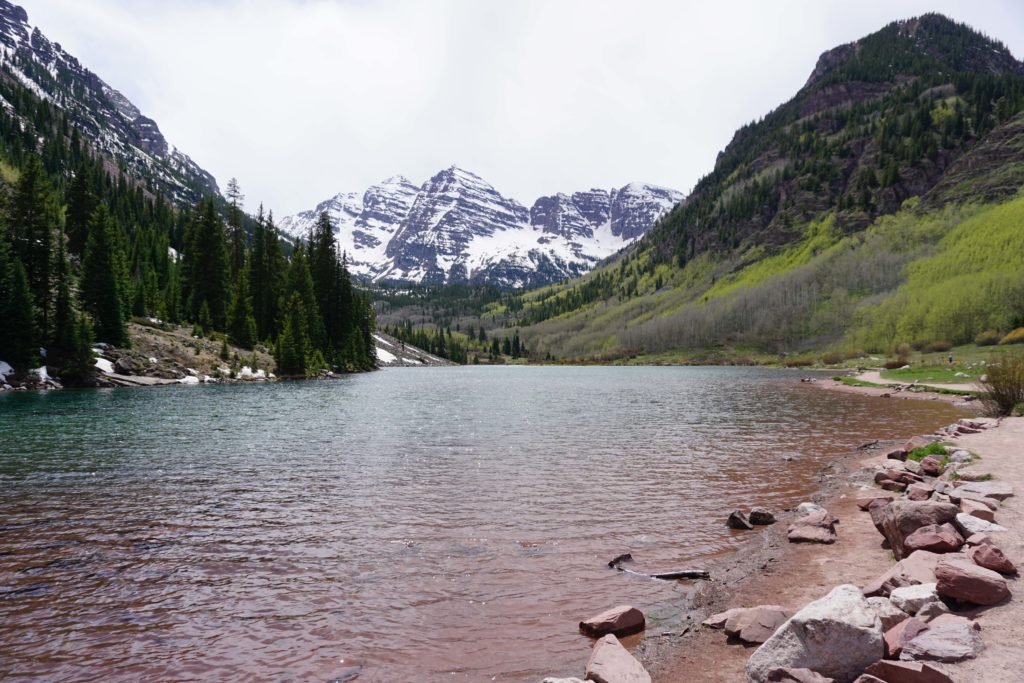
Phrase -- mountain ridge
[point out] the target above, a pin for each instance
(113, 124)
(871, 163)
(456, 228)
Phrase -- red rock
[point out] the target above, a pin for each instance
(991, 557)
(919, 492)
(896, 454)
(901, 634)
(719, 620)
(931, 466)
(916, 568)
(790, 675)
(612, 663)
(867, 678)
(957, 495)
(757, 624)
(816, 527)
(874, 501)
(979, 539)
(901, 518)
(890, 485)
(936, 538)
(622, 620)
(907, 672)
(961, 579)
(977, 509)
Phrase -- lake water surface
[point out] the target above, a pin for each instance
(442, 524)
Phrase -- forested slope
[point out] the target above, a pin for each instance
(898, 150)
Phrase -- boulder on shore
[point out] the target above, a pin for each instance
(836, 636)
(918, 567)
(621, 621)
(738, 520)
(816, 527)
(789, 675)
(761, 517)
(991, 557)
(947, 639)
(912, 599)
(901, 634)
(901, 518)
(907, 672)
(961, 579)
(888, 613)
(612, 663)
(757, 624)
(998, 490)
(936, 538)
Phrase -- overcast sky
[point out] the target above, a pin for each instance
(302, 99)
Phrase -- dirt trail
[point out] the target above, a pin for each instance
(875, 377)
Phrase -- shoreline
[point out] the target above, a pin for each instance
(768, 570)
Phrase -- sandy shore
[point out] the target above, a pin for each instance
(769, 570)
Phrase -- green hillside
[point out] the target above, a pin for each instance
(878, 206)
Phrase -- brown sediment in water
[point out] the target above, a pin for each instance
(770, 570)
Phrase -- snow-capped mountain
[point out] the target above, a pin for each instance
(105, 117)
(457, 228)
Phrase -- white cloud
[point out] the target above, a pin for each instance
(301, 99)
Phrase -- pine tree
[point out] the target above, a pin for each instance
(101, 286)
(17, 331)
(290, 352)
(81, 202)
(241, 324)
(236, 231)
(300, 283)
(208, 266)
(266, 277)
(31, 221)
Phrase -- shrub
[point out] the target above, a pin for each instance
(922, 452)
(902, 350)
(895, 364)
(832, 358)
(1015, 337)
(988, 338)
(938, 346)
(798, 361)
(1004, 384)
(919, 345)
(1018, 410)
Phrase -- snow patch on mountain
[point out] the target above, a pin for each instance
(457, 228)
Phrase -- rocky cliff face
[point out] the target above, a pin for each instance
(106, 118)
(457, 228)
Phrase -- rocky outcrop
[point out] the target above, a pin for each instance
(907, 672)
(103, 116)
(836, 636)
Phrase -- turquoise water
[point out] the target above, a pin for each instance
(419, 524)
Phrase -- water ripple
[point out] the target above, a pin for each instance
(443, 524)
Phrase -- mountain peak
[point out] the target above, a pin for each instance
(911, 48)
(457, 228)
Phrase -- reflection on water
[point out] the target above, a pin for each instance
(432, 524)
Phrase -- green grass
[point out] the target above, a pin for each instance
(938, 374)
(854, 382)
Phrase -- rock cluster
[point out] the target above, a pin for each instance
(942, 533)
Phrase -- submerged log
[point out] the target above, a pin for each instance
(672, 576)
